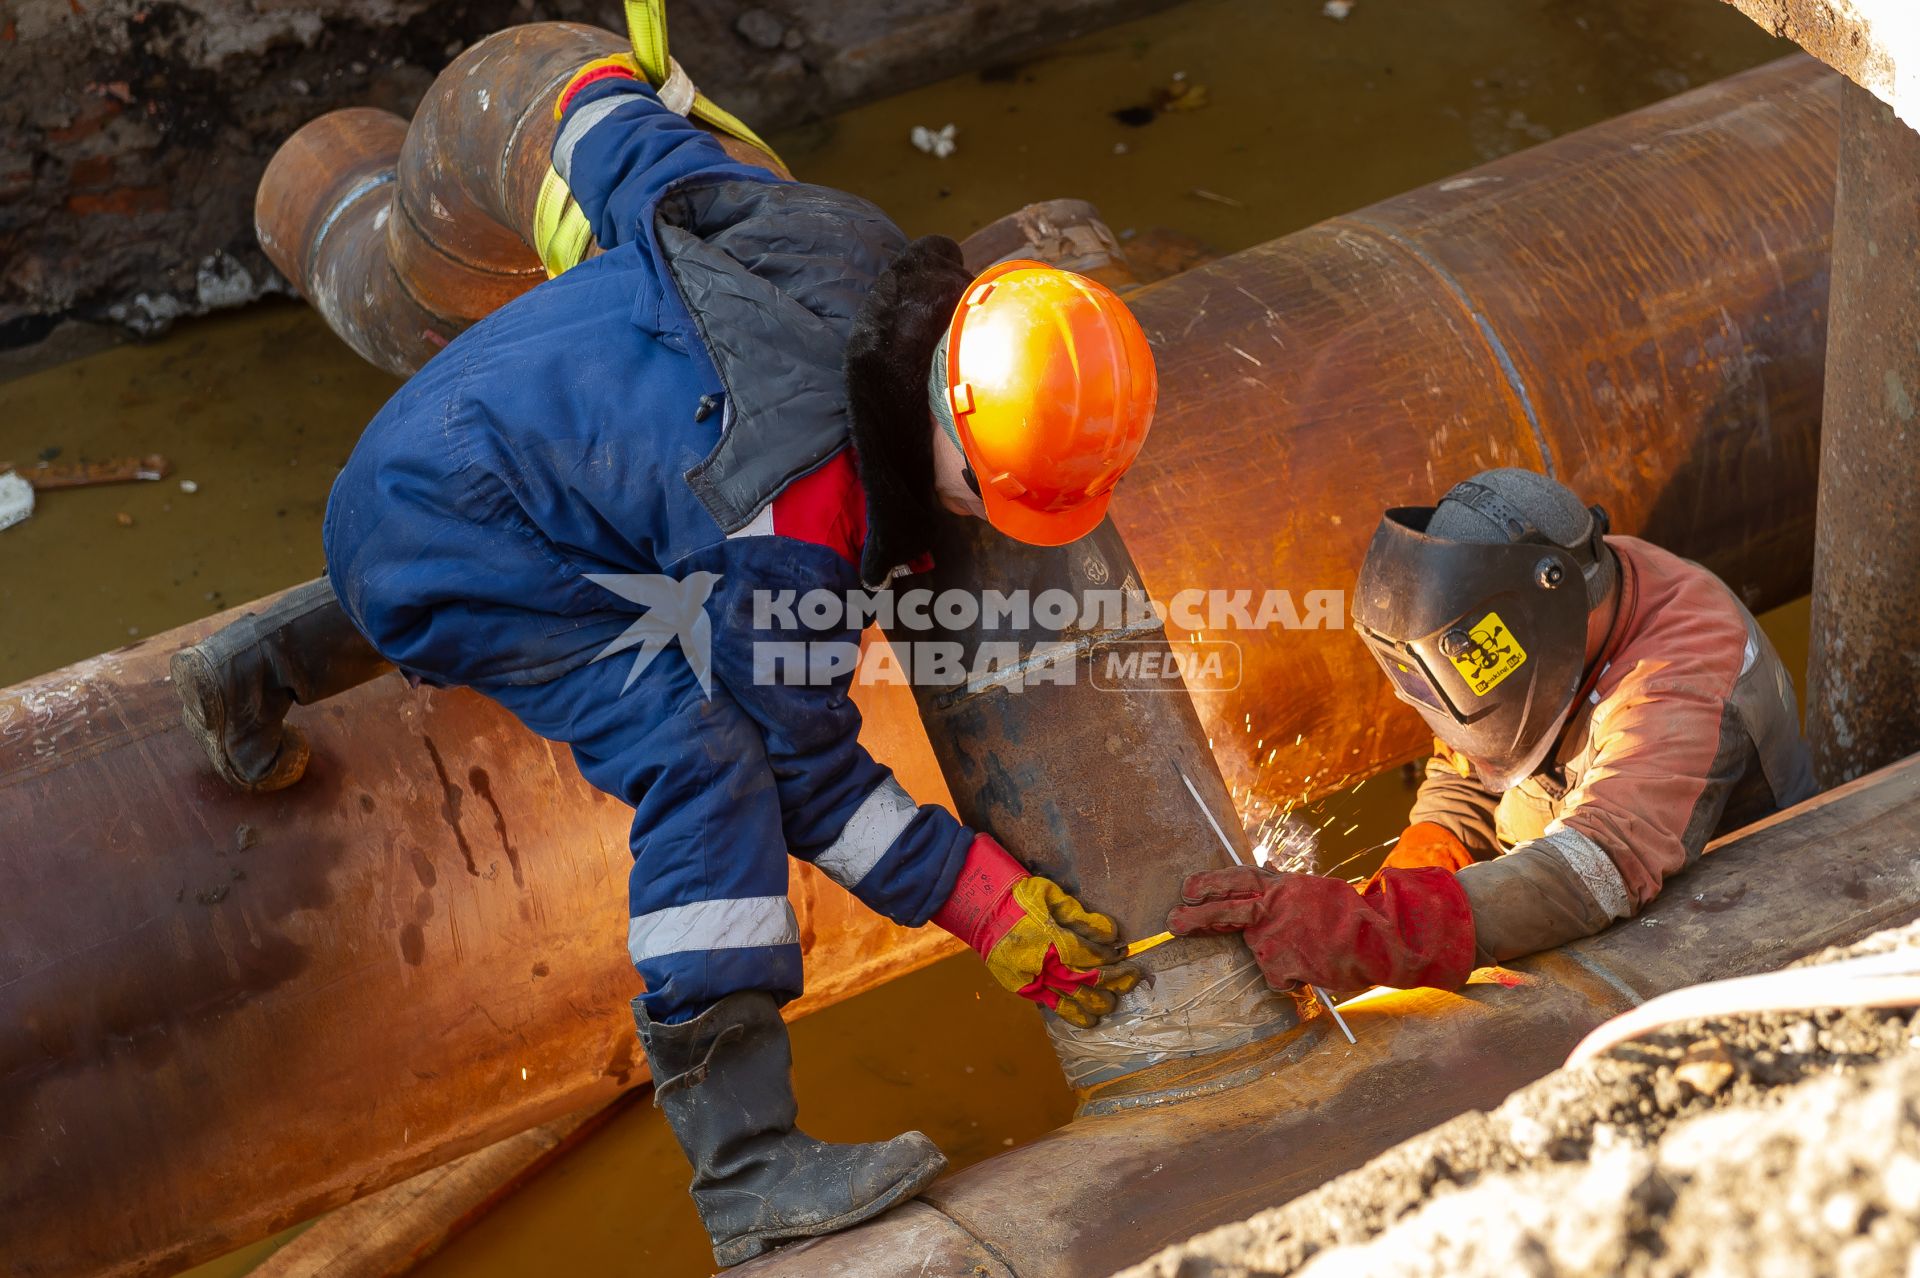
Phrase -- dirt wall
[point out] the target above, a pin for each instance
(1760, 1145)
(132, 132)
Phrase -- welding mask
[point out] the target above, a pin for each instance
(1486, 640)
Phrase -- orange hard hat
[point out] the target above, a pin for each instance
(1052, 387)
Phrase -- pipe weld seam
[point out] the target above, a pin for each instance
(371, 183)
(1045, 656)
(1509, 370)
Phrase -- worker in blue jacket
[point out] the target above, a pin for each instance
(758, 386)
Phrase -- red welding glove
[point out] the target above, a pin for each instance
(1413, 927)
(1422, 844)
(1038, 941)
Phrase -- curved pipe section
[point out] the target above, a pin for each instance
(401, 246)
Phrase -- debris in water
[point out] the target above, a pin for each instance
(938, 143)
(1201, 193)
(244, 837)
(1135, 117)
(16, 500)
(122, 518)
(188, 486)
(1337, 9)
(212, 896)
(1181, 95)
(85, 474)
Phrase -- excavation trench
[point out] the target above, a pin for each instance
(1432, 299)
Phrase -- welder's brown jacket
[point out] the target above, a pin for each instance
(1686, 726)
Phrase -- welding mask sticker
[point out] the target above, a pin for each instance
(1491, 654)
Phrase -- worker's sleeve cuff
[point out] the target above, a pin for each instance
(1529, 900)
(605, 69)
(1596, 869)
(981, 908)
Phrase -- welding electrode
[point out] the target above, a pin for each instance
(1326, 1000)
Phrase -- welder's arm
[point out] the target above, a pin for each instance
(1666, 760)
(1409, 928)
(1454, 802)
(1452, 822)
(619, 149)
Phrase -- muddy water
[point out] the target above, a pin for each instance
(256, 409)
(1225, 121)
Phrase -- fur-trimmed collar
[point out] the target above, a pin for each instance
(888, 351)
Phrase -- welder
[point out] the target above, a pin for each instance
(1601, 709)
(758, 387)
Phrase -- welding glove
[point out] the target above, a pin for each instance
(1421, 844)
(1411, 927)
(1037, 939)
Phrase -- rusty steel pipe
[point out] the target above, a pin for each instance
(221, 1014)
(339, 1065)
(1081, 764)
(1863, 697)
(1269, 1122)
(403, 246)
(1638, 308)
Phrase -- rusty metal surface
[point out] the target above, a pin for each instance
(1874, 43)
(1065, 233)
(402, 244)
(1104, 1192)
(1080, 764)
(924, 1241)
(1863, 695)
(471, 168)
(222, 1014)
(1638, 308)
(320, 216)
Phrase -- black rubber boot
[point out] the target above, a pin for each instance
(237, 684)
(725, 1081)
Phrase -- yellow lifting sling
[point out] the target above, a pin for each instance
(561, 235)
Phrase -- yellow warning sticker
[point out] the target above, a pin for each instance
(1492, 655)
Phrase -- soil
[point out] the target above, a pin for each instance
(1782, 1144)
(135, 141)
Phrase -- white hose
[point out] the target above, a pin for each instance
(1874, 980)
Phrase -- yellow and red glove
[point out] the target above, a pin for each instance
(1039, 942)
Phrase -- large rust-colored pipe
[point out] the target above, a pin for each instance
(180, 1075)
(1265, 1124)
(403, 235)
(221, 1014)
(1638, 308)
